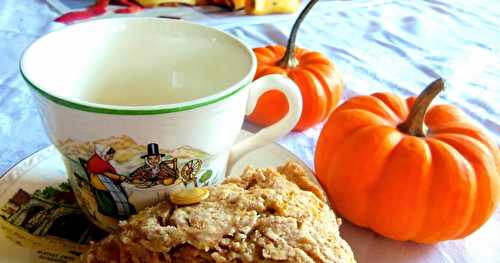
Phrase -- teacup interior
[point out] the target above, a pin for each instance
(136, 62)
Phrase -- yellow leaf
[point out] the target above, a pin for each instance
(264, 7)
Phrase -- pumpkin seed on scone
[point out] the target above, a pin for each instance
(189, 196)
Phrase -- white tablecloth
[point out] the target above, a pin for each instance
(397, 46)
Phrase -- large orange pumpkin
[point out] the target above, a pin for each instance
(405, 172)
(316, 76)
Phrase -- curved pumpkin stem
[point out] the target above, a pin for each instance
(289, 60)
(414, 124)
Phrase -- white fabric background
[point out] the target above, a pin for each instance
(397, 46)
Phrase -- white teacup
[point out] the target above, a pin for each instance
(140, 107)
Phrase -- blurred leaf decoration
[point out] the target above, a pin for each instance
(250, 7)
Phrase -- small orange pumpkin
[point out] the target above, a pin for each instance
(417, 175)
(316, 76)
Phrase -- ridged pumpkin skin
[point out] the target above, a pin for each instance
(317, 77)
(425, 189)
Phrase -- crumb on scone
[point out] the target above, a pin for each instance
(265, 215)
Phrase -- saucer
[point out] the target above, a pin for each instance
(40, 220)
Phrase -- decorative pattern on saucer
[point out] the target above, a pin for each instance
(48, 220)
(51, 211)
(115, 177)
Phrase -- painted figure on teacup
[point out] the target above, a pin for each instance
(115, 177)
(105, 181)
(155, 170)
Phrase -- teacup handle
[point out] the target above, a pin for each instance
(280, 128)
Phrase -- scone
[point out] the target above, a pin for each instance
(266, 215)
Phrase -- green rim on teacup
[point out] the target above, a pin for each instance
(141, 110)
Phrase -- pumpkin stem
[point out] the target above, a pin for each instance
(289, 60)
(414, 124)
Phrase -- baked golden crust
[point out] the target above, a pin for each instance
(266, 215)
